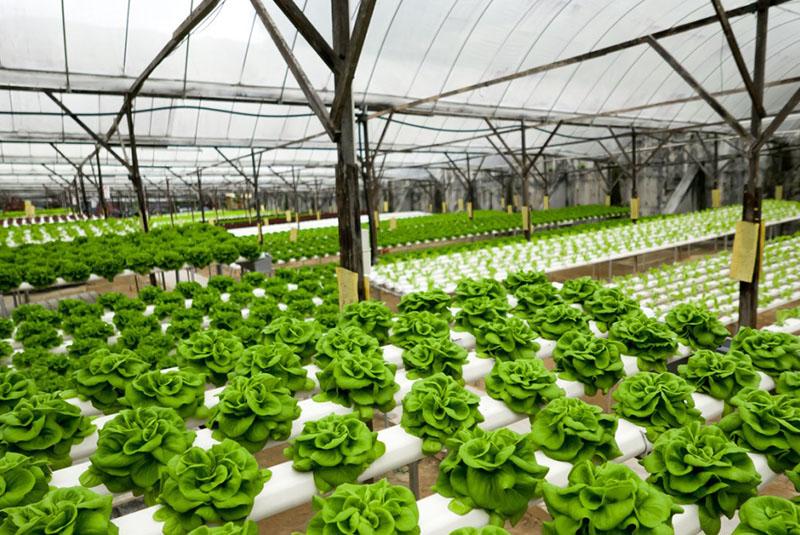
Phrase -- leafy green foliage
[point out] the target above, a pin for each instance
(493, 470)
(364, 382)
(768, 515)
(720, 375)
(579, 289)
(699, 464)
(44, 426)
(594, 362)
(607, 305)
(6, 327)
(225, 315)
(414, 327)
(253, 410)
(14, 386)
(766, 424)
(336, 448)
(532, 297)
(133, 449)
(213, 352)
(342, 340)
(696, 326)
(180, 390)
(432, 356)
(378, 508)
(771, 352)
(102, 380)
(208, 486)
(468, 289)
(23, 480)
(788, 383)
(571, 430)
(433, 301)
(656, 401)
(478, 311)
(552, 321)
(523, 385)
(649, 340)
(600, 499)
(506, 339)
(373, 317)
(516, 280)
(300, 335)
(71, 510)
(278, 360)
(32, 334)
(436, 408)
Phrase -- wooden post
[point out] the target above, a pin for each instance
(526, 204)
(86, 209)
(634, 172)
(751, 209)
(100, 191)
(256, 169)
(170, 205)
(200, 195)
(135, 176)
(347, 203)
(367, 173)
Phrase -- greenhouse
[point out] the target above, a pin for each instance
(355, 267)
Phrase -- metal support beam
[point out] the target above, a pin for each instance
(370, 190)
(770, 130)
(136, 178)
(200, 195)
(100, 192)
(307, 30)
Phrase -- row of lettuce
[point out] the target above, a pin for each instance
(147, 449)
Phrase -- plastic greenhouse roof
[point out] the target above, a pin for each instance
(228, 87)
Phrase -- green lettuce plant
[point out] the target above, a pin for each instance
(70, 510)
(134, 448)
(44, 426)
(494, 470)
(579, 290)
(478, 311)
(102, 380)
(414, 327)
(14, 386)
(378, 508)
(607, 305)
(436, 408)
(214, 353)
(434, 355)
(506, 339)
(364, 382)
(180, 390)
(33, 334)
(467, 289)
(720, 375)
(341, 340)
(696, 326)
(532, 297)
(768, 515)
(649, 340)
(766, 424)
(594, 362)
(373, 317)
(336, 448)
(208, 486)
(517, 279)
(699, 464)
(771, 352)
(278, 360)
(553, 321)
(571, 430)
(788, 383)
(225, 315)
(247, 528)
(524, 385)
(656, 401)
(601, 499)
(433, 301)
(6, 327)
(23, 480)
(253, 410)
(300, 335)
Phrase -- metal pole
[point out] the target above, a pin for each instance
(200, 196)
(367, 174)
(525, 196)
(135, 177)
(100, 191)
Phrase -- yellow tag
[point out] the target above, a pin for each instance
(716, 198)
(778, 193)
(469, 210)
(319, 215)
(393, 224)
(266, 221)
(297, 217)
(509, 209)
(762, 242)
(525, 218)
(30, 209)
(348, 286)
(385, 206)
(635, 208)
(293, 234)
(366, 288)
(460, 205)
(288, 216)
(608, 200)
(546, 202)
(516, 201)
(444, 207)
(745, 249)
(376, 218)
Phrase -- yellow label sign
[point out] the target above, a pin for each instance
(319, 215)
(516, 200)
(293, 234)
(30, 209)
(385, 206)
(376, 218)
(367, 293)
(546, 202)
(608, 200)
(716, 198)
(460, 205)
(745, 249)
(393, 224)
(509, 209)
(778, 193)
(526, 220)
(469, 210)
(348, 286)
(634, 208)
(288, 216)
(444, 207)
